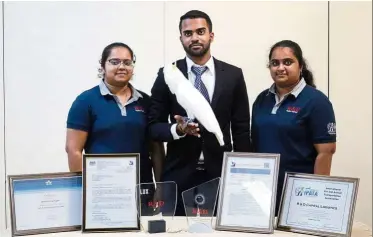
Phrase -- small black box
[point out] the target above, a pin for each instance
(156, 226)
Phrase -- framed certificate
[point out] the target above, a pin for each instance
(45, 203)
(110, 200)
(317, 204)
(248, 192)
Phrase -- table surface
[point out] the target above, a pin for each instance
(178, 227)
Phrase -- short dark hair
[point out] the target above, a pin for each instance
(306, 73)
(193, 14)
(107, 50)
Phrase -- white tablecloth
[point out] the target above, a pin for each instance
(178, 228)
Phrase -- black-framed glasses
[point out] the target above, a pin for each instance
(117, 62)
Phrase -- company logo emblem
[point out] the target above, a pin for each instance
(139, 109)
(331, 128)
(307, 192)
(199, 199)
(292, 109)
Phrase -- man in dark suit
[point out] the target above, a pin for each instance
(194, 155)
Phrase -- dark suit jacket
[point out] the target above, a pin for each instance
(231, 107)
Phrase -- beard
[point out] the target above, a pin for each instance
(197, 53)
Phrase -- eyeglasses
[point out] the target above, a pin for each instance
(126, 62)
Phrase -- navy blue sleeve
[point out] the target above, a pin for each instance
(322, 121)
(79, 115)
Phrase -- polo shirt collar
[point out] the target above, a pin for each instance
(105, 91)
(296, 90)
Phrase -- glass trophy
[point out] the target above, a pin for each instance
(199, 203)
(156, 201)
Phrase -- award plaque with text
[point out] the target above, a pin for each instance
(248, 192)
(157, 200)
(199, 203)
(45, 203)
(110, 200)
(318, 205)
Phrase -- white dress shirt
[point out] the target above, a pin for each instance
(208, 78)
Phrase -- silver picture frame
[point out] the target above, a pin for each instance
(12, 179)
(271, 220)
(316, 231)
(86, 158)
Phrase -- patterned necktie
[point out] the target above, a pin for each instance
(198, 71)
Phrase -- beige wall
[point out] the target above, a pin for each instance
(351, 95)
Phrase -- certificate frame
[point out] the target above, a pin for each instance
(13, 217)
(117, 156)
(248, 155)
(351, 208)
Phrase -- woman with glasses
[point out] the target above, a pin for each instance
(112, 117)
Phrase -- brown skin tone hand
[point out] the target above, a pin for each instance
(186, 128)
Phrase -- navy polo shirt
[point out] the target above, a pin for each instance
(292, 126)
(111, 126)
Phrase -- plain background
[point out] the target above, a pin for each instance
(51, 52)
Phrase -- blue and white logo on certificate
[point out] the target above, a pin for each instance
(307, 192)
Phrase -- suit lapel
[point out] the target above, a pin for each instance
(219, 82)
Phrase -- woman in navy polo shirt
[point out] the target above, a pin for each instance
(293, 118)
(112, 117)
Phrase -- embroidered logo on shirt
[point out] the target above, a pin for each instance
(331, 128)
(292, 109)
(139, 109)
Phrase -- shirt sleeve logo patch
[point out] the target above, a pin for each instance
(331, 128)
(139, 109)
(292, 109)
